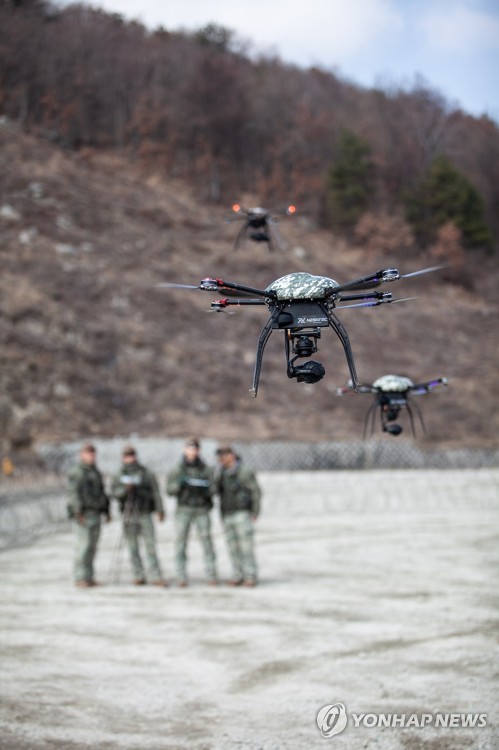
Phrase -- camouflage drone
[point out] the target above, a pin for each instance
(301, 305)
(391, 394)
(259, 225)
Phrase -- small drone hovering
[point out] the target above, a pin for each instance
(391, 394)
(301, 304)
(259, 225)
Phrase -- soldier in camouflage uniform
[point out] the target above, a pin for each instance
(240, 496)
(136, 490)
(192, 483)
(87, 502)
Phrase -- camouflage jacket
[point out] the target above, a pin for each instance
(136, 489)
(86, 491)
(192, 484)
(239, 490)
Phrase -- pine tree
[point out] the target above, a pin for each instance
(350, 182)
(446, 195)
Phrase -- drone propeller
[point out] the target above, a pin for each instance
(216, 308)
(422, 271)
(172, 285)
(401, 299)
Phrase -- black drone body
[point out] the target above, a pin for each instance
(259, 225)
(392, 394)
(301, 305)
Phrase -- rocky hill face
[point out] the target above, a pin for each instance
(89, 345)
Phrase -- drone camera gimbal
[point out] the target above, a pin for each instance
(303, 343)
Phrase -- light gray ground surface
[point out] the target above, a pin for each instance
(378, 590)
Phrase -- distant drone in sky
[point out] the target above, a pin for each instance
(300, 305)
(259, 225)
(391, 394)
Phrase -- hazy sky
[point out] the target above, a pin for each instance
(453, 44)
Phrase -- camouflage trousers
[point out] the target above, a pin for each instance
(87, 537)
(239, 536)
(184, 518)
(141, 525)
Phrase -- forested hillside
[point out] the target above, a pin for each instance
(201, 107)
(121, 151)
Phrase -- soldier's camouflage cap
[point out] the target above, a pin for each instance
(224, 448)
(128, 450)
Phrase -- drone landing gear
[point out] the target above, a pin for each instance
(370, 414)
(299, 340)
(340, 331)
(418, 412)
(262, 341)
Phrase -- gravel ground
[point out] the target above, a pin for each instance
(378, 591)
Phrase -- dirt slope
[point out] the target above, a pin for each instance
(90, 347)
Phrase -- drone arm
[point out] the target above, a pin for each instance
(383, 296)
(366, 389)
(213, 285)
(221, 304)
(248, 289)
(369, 299)
(370, 281)
(382, 299)
(419, 388)
(349, 389)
